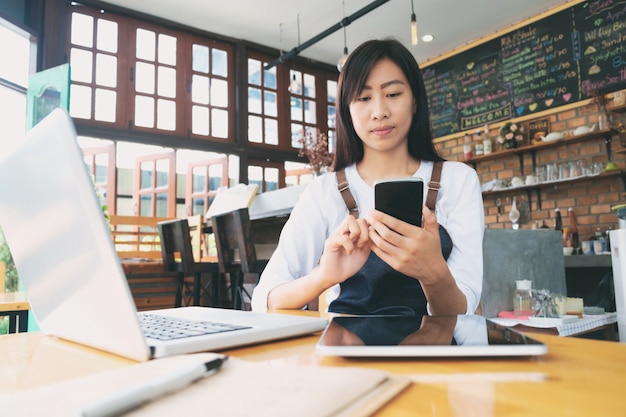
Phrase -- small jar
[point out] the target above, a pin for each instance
(522, 299)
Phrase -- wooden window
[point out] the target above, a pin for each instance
(263, 103)
(266, 174)
(94, 57)
(134, 75)
(210, 78)
(154, 186)
(100, 161)
(204, 178)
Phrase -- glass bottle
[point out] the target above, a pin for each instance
(558, 221)
(487, 141)
(573, 228)
(467, 147)
(522, 298)
(479, 144)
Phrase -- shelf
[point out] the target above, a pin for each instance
(587, 261)
(618, 109)
(538, 187)
(606, 134)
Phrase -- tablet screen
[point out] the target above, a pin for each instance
(427, 336)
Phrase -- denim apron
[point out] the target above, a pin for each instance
(379, 289)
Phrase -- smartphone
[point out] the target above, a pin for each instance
(401, 198)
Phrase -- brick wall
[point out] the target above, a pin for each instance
(591, 197)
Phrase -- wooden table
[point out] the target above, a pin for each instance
(16, 306)
(576, 378)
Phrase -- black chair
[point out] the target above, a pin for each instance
(236, 255)
(178, 257)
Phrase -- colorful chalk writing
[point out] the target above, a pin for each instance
(556, 60)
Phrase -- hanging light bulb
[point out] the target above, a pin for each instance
(344, 57)
(294, 86)
(413, 25)
(342, 61)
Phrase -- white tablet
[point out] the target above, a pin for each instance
(423, 336)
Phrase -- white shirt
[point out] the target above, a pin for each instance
(321, 209)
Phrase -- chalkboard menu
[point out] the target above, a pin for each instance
(560, 59)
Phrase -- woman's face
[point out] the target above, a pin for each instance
(383, 111)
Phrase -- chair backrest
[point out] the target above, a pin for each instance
(511, 255)
(176, 246)
(233, 239)
(196, 222)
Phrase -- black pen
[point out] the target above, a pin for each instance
(133, 397)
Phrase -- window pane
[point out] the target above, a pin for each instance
(296, 109)
(167, 49)
(197, 206)
(271, 179)
(17, 69)
(269, 79)
(255, 129)
(167, 82)
(81, 64)
(144, 111)
(271, 131)
(296, 134)
(200, 58)
(161, 205)
(332, 122)
(146, 44)
(105, 105)
(215, 173)
(146, 174)
(144, 78)
(107, 36)
(82, 30)
(219, 93)
(12, 118)
(254, 71)
(162, 172)
(271, 106)
(331, 91)
(145, 205)
(106, 70)
(254, 100)
(198, 181)
(309, 114)
(220, 63)
(166, 114)
(255, 175)
(200, 120)
(309, 85)
(200, 89)
(219, 123)
(80, 104)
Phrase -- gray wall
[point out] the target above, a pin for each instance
(510, 255)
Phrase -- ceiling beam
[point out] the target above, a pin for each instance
(343, 22)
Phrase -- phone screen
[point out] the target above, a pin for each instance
(401, 198)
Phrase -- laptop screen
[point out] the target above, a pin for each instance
(462, 335)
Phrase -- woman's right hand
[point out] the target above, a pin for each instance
(345, 251)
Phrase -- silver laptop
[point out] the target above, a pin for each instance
(424, 336)
(66, 259)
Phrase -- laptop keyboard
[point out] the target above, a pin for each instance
(168, 328)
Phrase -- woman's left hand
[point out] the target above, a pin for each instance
(412, 250)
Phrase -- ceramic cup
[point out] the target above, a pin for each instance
(531, 179)
(599, 246)
(587, 246)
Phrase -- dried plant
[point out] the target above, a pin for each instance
(315, 148)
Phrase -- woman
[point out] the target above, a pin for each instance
(374, 263)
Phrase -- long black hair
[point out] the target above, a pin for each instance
(349, 147)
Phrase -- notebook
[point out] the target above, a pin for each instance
(66, 259)
(424, 336)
